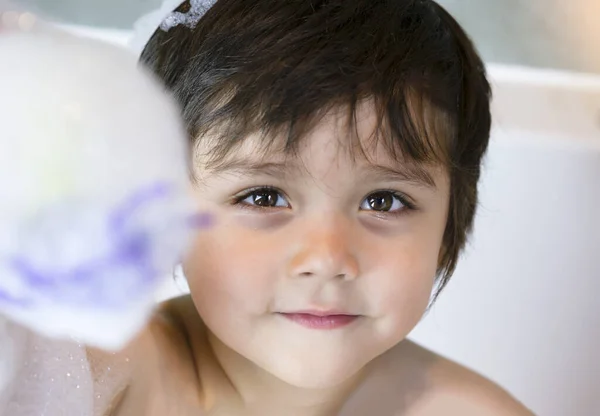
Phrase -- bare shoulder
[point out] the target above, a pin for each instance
(453, 389)
(123, 380)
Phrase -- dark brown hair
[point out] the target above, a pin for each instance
(277, 66)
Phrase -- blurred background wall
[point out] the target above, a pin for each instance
(562, 34)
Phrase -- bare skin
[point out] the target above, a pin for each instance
(164, 376)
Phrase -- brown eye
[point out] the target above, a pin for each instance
(382, 202)
(264, 198)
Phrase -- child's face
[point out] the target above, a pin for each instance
(329, 234)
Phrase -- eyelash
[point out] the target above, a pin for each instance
(407, 204)
(238, 200)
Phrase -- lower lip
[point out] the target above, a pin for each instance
(320, 322)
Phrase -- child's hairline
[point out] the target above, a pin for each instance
(271, 139)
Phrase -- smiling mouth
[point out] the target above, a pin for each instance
(320, 320)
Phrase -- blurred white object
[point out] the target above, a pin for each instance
(95, 207)
(523, 305)
(10, 357)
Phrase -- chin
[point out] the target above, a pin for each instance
(311, 373)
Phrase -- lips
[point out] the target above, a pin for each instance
(321, 319)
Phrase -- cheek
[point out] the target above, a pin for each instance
(403, 282)
(229, 268)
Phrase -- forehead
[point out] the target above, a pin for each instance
(332, 142)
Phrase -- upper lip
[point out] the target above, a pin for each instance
(319, 312)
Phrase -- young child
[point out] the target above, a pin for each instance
(338, 145)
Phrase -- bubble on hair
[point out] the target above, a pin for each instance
(198, 8)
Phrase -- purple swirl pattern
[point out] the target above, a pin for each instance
(133, 245)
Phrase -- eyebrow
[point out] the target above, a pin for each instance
(245, 167)
(414, 174)
(410, 173)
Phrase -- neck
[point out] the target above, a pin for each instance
(229, 378)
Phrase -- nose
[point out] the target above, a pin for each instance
(324, 251)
